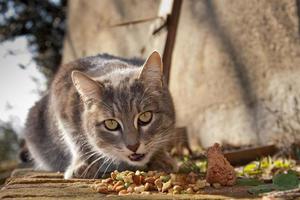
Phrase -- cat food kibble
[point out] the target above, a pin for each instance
(139, 182)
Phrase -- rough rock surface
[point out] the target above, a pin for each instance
(219, 169)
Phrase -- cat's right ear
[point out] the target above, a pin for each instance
(152, 70)
(86, 87)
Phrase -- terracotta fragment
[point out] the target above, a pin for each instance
(219, 170)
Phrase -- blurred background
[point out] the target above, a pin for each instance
(235, 64)
(31, 42)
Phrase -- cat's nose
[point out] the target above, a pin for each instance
(133, 147)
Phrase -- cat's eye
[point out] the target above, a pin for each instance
(111, 124)
(145, 118)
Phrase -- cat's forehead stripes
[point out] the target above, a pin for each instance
(119, 77)
(125, 98)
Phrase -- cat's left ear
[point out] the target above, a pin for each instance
(86, 87)
(152, 71)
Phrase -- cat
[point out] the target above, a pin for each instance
(103, 113)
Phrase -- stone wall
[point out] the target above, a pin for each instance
(235, 74)
(91, 32)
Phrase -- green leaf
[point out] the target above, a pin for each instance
(248, 182)
(280, 182)
(262, 189)
(188, 166)
(265, 163)
(252, 169)
(282, 164)
(286, 181)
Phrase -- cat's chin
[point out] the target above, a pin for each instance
(137, 163)
(136, 157)
(133, 159)
(138, 160)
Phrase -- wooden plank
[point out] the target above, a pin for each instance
(244, 156)
(6, 167)
(29, 184)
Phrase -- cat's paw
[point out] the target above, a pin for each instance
(82, 170)
(68, 173)
(163, 162)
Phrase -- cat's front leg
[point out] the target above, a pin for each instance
(162, 161)
(80, 169)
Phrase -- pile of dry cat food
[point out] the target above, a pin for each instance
(219, 173)
(139, 182)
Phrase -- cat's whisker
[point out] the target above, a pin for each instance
(161, 141)
(86, 153)
(85, 147)
(117, 167)
(90, 156)
(164, 139)
(105, 160)
(162, 134)
(96, 174)
(112, 160)
(90, 165)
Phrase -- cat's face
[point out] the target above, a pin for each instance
(129, 113)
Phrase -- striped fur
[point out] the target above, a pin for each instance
(62, 132)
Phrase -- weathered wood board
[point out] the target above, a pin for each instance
(28, 184)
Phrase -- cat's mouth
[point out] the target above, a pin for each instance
(136, 157)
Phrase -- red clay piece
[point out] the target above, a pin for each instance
(219, 170)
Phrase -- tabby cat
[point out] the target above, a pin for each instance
(103, 113)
